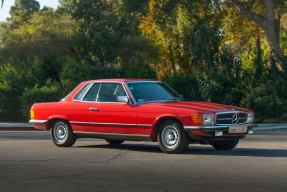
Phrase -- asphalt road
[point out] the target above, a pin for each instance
(30, 162)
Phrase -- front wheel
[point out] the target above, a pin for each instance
(62, 134)
(172, 138)
(225, 145)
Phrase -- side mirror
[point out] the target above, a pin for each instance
(123, 99)
(181, 96)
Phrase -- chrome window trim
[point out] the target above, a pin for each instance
(113, 102)
(148, 81)
(101, 82)
(131, 93)
(117, 124)
(172, 89)
(231, 118)
(38, 121)
(99, 102)
(70, 93)
(73, 99)
(89, 90)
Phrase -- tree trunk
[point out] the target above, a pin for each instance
(259, 66)
(267, 22)
(269, 28)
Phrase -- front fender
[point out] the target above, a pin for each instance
(159, 120)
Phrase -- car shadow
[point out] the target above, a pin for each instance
(197, 150)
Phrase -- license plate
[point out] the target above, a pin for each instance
(237, 129)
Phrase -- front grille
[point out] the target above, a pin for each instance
(231, 118)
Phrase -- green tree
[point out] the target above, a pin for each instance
(103, 24)
(44, 32)
(108, 33)
(30, 5)
(170, 23)
(51, 92)
(67, 6)
(15, 76)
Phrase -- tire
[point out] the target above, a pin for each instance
(114, 142)
(172, 138)
(225, 145)
(62, 134)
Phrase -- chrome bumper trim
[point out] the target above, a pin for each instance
(38, 121)
(210, 128)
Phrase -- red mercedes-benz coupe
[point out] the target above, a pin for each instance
(140, 110)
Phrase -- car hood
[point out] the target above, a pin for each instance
(199, 106)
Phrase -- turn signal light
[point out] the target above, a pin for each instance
(32, 114)
(197, 119)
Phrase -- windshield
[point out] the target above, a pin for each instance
(151, 91)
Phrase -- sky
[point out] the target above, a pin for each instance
(4, 12)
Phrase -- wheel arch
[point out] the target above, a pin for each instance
(53, 118)
(158, 123)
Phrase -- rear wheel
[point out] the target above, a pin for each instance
(172, 138)
(225, 145)
(62, 134)
(114, 142)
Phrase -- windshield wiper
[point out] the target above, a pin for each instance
(176, 99)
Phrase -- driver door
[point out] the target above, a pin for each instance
(107, 115)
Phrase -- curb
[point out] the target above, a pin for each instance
(283, 129)
(19, 129)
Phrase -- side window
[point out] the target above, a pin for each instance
(92, 93)
(82, 91)
(110, 91)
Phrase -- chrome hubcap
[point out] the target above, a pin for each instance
(60, 132)
(169, 136)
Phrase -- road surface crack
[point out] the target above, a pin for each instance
(44, 160)
(114, 157)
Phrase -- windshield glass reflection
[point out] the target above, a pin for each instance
(151, 91)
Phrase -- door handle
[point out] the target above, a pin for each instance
(94, 109)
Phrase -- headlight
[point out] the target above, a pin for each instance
(250, 118)
(208, 119)
(203, 119)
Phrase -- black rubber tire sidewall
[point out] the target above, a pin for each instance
(183, 142)
(230, 144)
(71, 137)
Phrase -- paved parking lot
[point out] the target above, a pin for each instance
(29, 161)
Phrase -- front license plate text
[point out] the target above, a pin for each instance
(237, 129)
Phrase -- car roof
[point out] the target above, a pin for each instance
(119, 80)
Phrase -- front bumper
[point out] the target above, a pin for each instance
(39, 124)
(216, 128)
(37, 121)
(208, 132)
